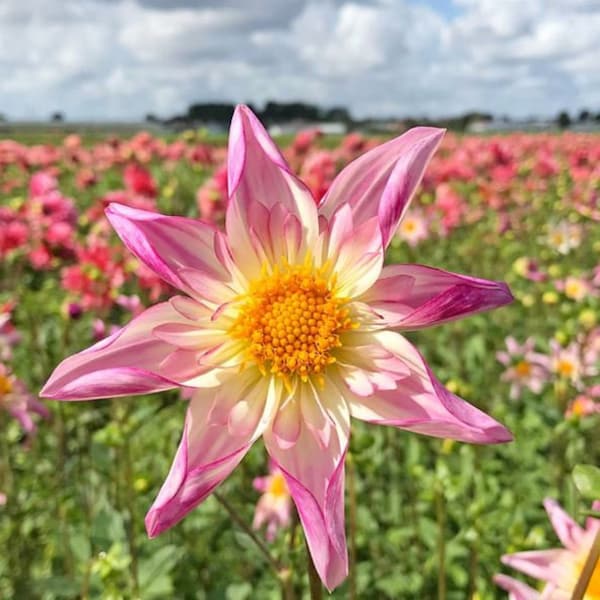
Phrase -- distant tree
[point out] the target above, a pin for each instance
(563, 120)
(152, 118)
(584, 115)
(57, 117)
(2, 118)
(211, 112)
(278, 112)
(337, 113)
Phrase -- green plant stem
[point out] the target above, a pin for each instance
(588, 569)
(441, 521)
(130, 504)
(273, 563)
(314, 582)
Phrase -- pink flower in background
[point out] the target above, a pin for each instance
(18, 402)
(318, 172)
(568, 363)
(558, 568)
(564, 237)
(211, 197)
(100, 331)
(574, 288)
(274, 508)
(138, 181)
(9, 336)
(583, 405)
(290, 325)
(525, 367)
(450, 206)
(42, 183)
(591, 347)
(414, 228)
(529, 269)
(304, 140)
(96, 278)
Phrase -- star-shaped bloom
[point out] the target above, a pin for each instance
(559, 568)
(288, 325)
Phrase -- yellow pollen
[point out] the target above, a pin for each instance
(292, 320)
(278, 486)
(5, 385)
(523, 368)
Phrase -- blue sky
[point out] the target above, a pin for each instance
(122, 59)
(448, 9)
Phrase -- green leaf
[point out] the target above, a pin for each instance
(238, 591)
(587, 481)
(153, 571)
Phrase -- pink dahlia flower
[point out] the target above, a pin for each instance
(525, 367)
(559, 568)
(414, 228)
(274, 508)
(570, 363)
(18, 402)
(289, 325)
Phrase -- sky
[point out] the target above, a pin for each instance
(123, 59)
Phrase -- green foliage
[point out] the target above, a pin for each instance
(72, 526)
(587, 481)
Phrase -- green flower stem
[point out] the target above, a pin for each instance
(241, 523)
(130, 506)
(440, 506)
(314, 582)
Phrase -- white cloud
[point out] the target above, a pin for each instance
(124, 58)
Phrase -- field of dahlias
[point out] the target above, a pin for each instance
(426, 517)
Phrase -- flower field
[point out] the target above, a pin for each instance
(426, 517)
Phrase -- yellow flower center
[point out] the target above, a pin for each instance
(523, 368)
(574, 290)
(6, 385)
(409, 226)
(277, 486)
(292, 321)
(565, 367)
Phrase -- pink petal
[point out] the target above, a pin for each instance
(20, 413)
(131, 361)
(355, 251)
(567, 530)
(382, 182)
(547, 565)
(422, 404)
(287, 424)
(315, 477)
(259, 179)
(168, 244)
(208, 452)
(517, 590)
(416, 296)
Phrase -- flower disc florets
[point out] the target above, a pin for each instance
(292, 320)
